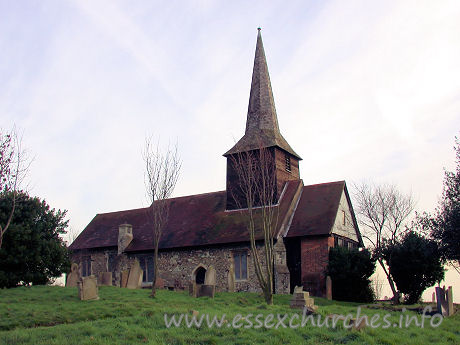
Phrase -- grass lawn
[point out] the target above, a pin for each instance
(54, 315)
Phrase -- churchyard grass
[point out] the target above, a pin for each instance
(54, 315)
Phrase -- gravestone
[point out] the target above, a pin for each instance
(201, 290)
(205, 290)
(135, 276)
(104, 279)
(124, 278)
(160, 283)
(301, 299)
(450, 301)
(192, 288)
(210, 277)
(73, 277)
(231, 279)
(328, 288)
(87, 288)
(445, 301)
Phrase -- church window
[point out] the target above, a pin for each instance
(146, 263)
(240, 260)
(344, 221)
(287, 162)
(86, 266)
(111, 262)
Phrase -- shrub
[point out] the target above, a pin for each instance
(350, 270)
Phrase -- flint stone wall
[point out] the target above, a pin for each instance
(177, 266)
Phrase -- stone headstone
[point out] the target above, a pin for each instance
(231, 279)
(439, 300)
(444, 301)
(87, 288)
(328, 288)
(135, 276)
(206, 290)
(139, 283)
(210, 277)
(104, 279)
(73, 277)
(450, 301)
(192, 288)
(160, 283)
(124, 278)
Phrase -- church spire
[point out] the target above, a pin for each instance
(262, 122)
(261, 109)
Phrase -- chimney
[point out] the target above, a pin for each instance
(125, 236)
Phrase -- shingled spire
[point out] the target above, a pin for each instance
(262, 122)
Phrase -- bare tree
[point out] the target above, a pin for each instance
(72, 234)
(161, 174)
(255, 196)
(382, 210)
(14, 165)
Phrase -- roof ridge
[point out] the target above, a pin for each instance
(175, 198)
(324, 183)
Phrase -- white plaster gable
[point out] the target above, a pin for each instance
(344, 215)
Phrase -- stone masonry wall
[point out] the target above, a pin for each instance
(177, 267)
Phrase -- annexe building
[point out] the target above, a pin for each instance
(209, 230)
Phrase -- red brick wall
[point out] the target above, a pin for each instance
(282, 176)
(314, 253)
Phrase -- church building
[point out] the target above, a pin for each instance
(210, 229)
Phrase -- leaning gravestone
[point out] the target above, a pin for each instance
(135, 276)
(73, 277)
(302, 299)
(87, 288)
(104, 279)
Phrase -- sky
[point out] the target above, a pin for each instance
(363, 90)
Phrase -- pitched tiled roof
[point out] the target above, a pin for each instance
(195, 220)
(201, 220)
(262, 127)
(317, 209)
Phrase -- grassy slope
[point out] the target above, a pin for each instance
(54, 315)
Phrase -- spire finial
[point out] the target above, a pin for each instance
(259, 28)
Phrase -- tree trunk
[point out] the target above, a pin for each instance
(155, 270)
(268, 296)
(390, 281)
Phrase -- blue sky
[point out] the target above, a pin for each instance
(363, 90)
